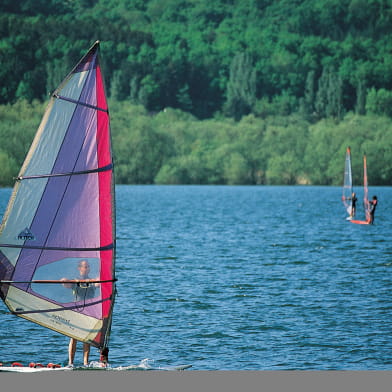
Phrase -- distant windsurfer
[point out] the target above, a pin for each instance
(82, 291)
(373, 205)
(353, 204)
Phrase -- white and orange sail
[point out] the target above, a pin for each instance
(366, 203)
(62, 212)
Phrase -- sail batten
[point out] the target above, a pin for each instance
(58, 281)
(80, 103)
(106, 247)
(73, 307)
(61, 214)
(97, 170)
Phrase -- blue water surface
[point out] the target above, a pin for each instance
(239, 278)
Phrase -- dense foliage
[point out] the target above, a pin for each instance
(320, 57)
(223, 92)
(174, 147)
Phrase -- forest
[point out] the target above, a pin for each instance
(222, 92)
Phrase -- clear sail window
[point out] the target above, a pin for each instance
(66, 270)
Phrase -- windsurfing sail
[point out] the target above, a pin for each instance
(61, 215)
(366, 203)
(347, 183)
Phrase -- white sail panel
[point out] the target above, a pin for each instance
(75, 324)
(74, 86)
(50, 139)
(21, 215)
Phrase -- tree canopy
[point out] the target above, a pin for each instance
(238, 57)
(174, 147)
(215, 92)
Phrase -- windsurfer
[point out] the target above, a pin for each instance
(72, 351)
(81, 291)
(373, 205)
(353, 204)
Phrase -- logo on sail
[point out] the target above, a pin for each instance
(26, 234)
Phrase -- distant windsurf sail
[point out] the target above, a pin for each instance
(60, 217)
(366, 203)
(347, 183)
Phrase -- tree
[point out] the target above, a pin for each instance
(24, 90)
(379, 101)
(183, 98)
(148, 93)
(118, 87)
(360, 107)
(329, 95)
(334, 98)
(307, 102)
(241, 88)
(8, 170)
(236, 169)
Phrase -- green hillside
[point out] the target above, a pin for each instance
(225, 91)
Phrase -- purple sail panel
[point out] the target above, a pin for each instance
(79, 142)
(76, 224)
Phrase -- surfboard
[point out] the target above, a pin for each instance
(32, 369)
(360, 222)
(36, 369)
(179, 367)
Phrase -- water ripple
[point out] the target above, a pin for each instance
(241, 278)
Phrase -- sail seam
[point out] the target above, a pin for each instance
(56, 281)
(80, 103)
(84, 305)
(107, 247)
(97, 170)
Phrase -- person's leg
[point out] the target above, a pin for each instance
(71, 351)
(86, 353)
(104, 358)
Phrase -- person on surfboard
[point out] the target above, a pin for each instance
(373, 205)
(81, 292)
(353, 204)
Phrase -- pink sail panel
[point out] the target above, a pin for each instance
(106, 182)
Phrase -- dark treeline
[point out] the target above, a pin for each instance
(213, 92)
(322, 58)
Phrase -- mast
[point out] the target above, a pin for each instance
(366, 203)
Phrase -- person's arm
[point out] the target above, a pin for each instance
(67, 285)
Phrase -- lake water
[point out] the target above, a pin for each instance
(239, 278)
